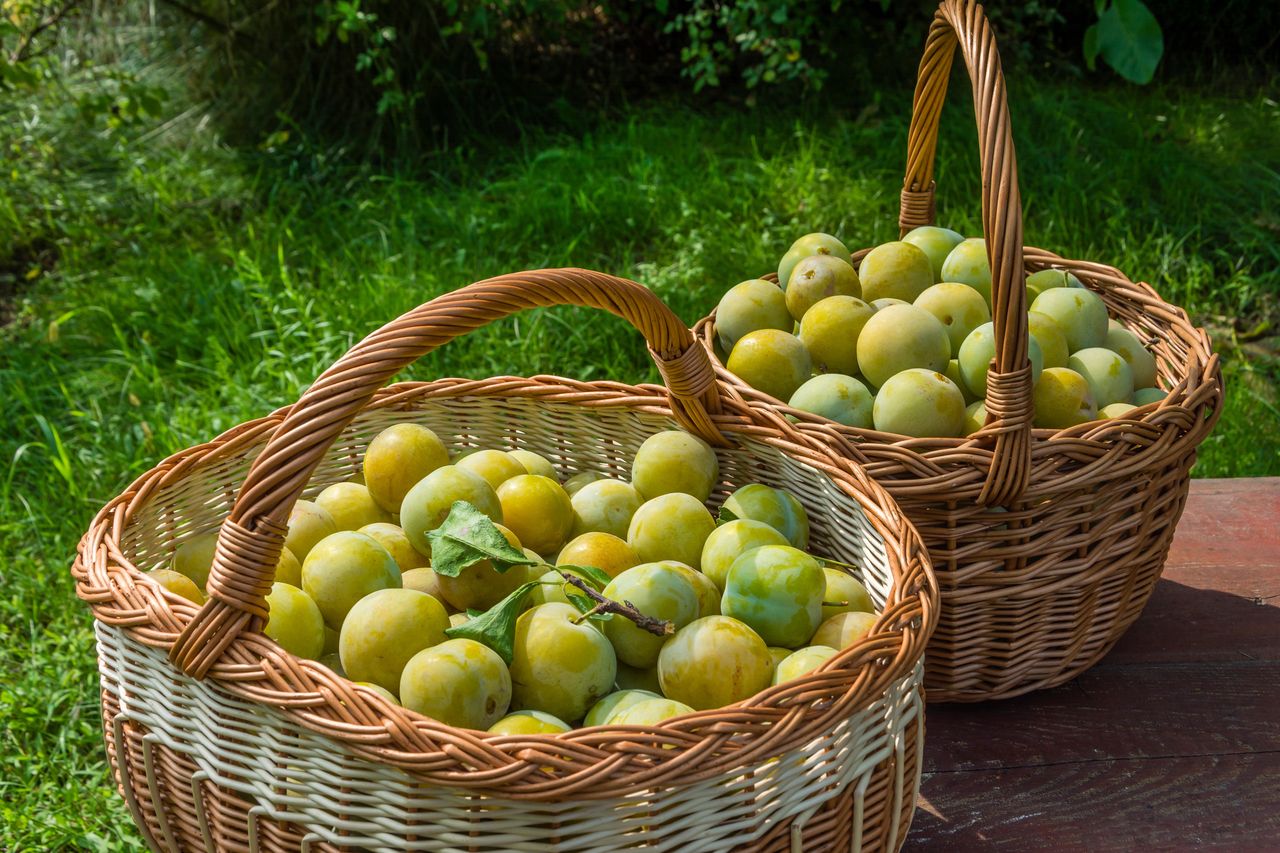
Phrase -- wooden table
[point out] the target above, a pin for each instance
(1172, 742)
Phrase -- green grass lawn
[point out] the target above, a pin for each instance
(165, 288)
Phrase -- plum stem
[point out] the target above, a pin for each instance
(625, 609)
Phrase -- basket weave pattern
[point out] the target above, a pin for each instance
(275, 753)
(1046, 544)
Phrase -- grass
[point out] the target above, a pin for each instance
(165, 288)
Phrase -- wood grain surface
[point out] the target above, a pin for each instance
(1171, 743)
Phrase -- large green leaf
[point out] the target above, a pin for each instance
(1128, 38)
(467, 537)
(496, 627)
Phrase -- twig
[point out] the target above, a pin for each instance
(626, 609)
(22, 52)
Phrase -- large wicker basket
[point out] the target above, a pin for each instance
(1046, 544)
(222, 741)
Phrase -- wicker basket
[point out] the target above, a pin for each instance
(1046, 544)
(222, 741)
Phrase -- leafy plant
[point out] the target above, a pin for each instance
(1127, 37)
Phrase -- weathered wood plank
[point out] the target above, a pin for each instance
(1219, 598)
(1224, 802)
(1115, 713)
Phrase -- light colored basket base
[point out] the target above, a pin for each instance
(221, 748)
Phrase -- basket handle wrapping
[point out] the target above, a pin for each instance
(250, 540)
(962, 23)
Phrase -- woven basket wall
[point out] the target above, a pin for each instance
(252, 749)
(1046, 544)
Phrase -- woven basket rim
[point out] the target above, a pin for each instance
(1200, 364)
(107, 581)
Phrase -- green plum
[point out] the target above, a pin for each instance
(778, 654)
(423, 579)
(351, 506)
(1053, 344)
(845, 594)
(818, 277)
(1039, 282)
(397, 458)
(1109, 376)
(615, 703)
(708, 593)
(429, 502)
(843, 629)
(1141, 362)
(777, 508)
(604, 551)
(633, 678)
(333, 662)
(379, 689)
(1062, 399)
(294, 621)
(1081, 315)
(560, 666)
(978, 353)
(729, 541)
(829, 331)
(843, 399)
(342, 569)
(575, 483)
(897, 270)
(885, 301)
(650, 712)
(456, 619)
(802, 662)
(777, 590)
(1147, 396)
(480, 586)
(674, 461)
(194, 557)
(551, 587)
(671, 527)
(178, 584)
(308, 524)
(975, 417)
(936, 243)
(810, 244)
(605, 506)
(537, 510)
(458, 682)
(953, 373)
(397, 543)
(1116, 410)
(958, 307)
(657, 590)
(901, 337)
(331, 638)
(714, 661)
(529, 722)
(750, 306)
(919, 403)
(968, 264)
(385, 629)
(535, 464)
(495, 466)
(771, 361)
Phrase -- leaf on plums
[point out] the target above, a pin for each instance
(496, 627)
(725, 516)
(597, 577)
(467, 537)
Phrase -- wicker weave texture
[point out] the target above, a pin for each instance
(829, 761)
(1038, 585)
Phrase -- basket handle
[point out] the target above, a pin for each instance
(962, 23)
(250, 540)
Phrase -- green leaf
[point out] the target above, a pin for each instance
(496, 627)
(596, 577)
(725, 516)
(467, 537)
(1091, 47)
(1129, 40)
